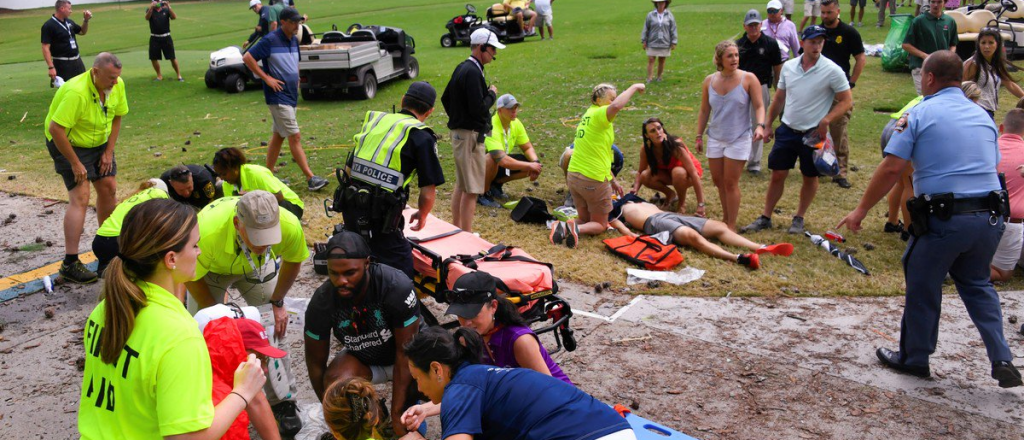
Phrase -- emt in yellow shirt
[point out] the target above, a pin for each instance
(105, 243)
(507, 132)
(241, 177)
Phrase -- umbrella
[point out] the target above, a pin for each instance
(834, 250)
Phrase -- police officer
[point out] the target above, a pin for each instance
(195, 185)
(390, 149)
(957, 217)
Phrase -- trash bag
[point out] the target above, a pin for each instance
(894, 58)
(825, 159)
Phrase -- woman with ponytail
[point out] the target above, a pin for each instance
(147, 370)
(354, 411)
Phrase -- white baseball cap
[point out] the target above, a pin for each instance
(774, 4)
(253, 3)
(485, 36)
(159, 184)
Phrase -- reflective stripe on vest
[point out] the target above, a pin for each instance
(379, 149)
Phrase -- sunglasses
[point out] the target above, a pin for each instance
(773, 11)
(257, 277)
(181, 173)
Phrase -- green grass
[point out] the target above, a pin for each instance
(596, 41)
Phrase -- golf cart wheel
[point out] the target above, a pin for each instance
(234, 83)
(447, 40)
(413, 70)
(211, 79)
(369, 88)
(309, 94)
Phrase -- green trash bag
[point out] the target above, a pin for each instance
(894, 58)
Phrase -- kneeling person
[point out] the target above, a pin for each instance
(689, 231)
(192, 184)
(104, 245)
(503, 167)
(372, 310)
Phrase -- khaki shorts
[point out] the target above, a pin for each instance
(1008, 253)
(916, 75)
(284, 119)
(590, 196)
(470, 161)
(812, 8)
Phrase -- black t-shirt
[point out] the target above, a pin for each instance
(841, 43)
(467, 100)
(759, 57)
(419, 155)
(204, 188)
(160, 21)
(61, 37)
(367, 330)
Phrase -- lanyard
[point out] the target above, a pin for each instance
(258, 272)
(478, 66)
(71, 36)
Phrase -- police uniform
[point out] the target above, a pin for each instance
(955, 179)
(204, 187)
(390, 149)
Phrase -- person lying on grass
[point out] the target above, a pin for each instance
(688, 231)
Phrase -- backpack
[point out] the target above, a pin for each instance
(645, 251)
(531, 210)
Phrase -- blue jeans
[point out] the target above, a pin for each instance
(963, 247)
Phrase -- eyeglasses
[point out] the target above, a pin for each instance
(468, 295)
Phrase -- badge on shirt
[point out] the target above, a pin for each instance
(209, 190)
(901, 123)
(839, 39)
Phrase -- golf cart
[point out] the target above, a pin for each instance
(228, 71)
(355, 62)
(460, 27)
(504, 24)
(1008, 17)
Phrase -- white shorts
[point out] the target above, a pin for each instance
(285, 123)
(787, 7)
(546, 18)
(659, 52)
(735, 150)
(378, 373)
(812, 8)
(1008, 252)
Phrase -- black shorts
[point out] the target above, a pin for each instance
(69, 69)
(158, 45)
(105, 249)
(292, 208)
(90, 157)
(789, 147)
(505, 172)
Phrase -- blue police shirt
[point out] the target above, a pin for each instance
(952, 143)
(520, 404)
(280, 58)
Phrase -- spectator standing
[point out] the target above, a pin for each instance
(262, 25)
(467, 99)
(842, 41)
(279, 52)
(159, 15)
(989, 68)
(882, 4)
(60, 47)
(808, 85)
(782, 29)
(812, 10)
(787, 9)
(759, 54)
(1011, 156)
(659, 37)
(545, 16)
(929, 33)
(960, 206)
(82, 128)
(853, 12)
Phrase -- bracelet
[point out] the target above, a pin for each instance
(51, 67)
(243, 398)
(700, 205)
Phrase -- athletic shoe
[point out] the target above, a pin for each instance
(891, 228)
(315, 183)
(180, 79)
(798, 226)
(1006, 374)
(488, 202)
(497, 192)
(558, 233)
(287, 416)
(780, 249)
(572, 235)
(750, 261)
(760, 224)
(77, 273)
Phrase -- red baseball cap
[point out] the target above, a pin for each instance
(255, 338)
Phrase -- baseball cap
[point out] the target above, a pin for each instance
(774, 4)
(422, 91)
(752, 17)
(813, 31)
(351, 244)
(253, 3)
(506, 101)
(259, 213)
(290, 14)
(469, 294)
(485, 36)
(254, 337)
(159, 184)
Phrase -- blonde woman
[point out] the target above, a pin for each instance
(727, 97)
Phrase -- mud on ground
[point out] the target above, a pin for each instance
(721, 368)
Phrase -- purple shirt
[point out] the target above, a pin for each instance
(502, 345)
(783, 32)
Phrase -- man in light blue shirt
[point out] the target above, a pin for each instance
(807, 86)
(952, 144)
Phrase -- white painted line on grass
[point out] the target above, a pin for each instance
(614, 316)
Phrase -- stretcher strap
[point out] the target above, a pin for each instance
(418, 240)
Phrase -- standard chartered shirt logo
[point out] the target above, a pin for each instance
(372, 339)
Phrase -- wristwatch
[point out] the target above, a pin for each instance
(279, 303)
(761, 124)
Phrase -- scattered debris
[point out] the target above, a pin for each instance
(598, 287)
(49, 312)
(536, 183)
(778, 211)
(854, 168)
(625, 340)
(869, 247)
(23, 117)
(49, 244)
(675, 392)
(887, 337)
(196, 133)
(312, 138)
(12, 177)
(188, 142)
(48, 212)
(796, 317)
(634, 404)
(80, 363)
(31, 346)
(263, 143)
(529, 189)
(1013, 319)
(850, 251)
(184, 150)
(158, 154)
(654, 284)
(39, 240)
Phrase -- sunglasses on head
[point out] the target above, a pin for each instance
(181, 173)
(467, 295)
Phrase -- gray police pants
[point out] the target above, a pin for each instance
(963, 247)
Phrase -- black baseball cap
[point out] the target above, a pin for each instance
(469, 294)
(422, 91)
(290, 14)
(813, 31)
(351, 244)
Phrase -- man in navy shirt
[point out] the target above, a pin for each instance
(957, 217)
(60, 48)
(279, 52)
(159, 15)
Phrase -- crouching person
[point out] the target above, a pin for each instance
(504, 166)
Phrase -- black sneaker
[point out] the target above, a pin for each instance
(315, 183)
(761, 223)
(77, 273)
(287, 416)
(1006, 374)
(572, 234)
(891, 228)
(497, 192)
(488, 202)
(842, 182)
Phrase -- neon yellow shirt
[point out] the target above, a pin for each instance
(505, 140)
(77, 108)
(254, 177)
(112, 226)
(221, 253)
(593, 152)
(162, 383)
(906, 108)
